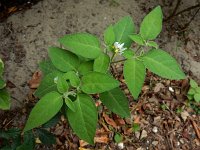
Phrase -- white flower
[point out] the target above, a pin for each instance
(56, 80)
(119, 48)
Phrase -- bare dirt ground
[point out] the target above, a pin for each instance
(26, 35)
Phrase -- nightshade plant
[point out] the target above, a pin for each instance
(73, 74)
(4, 95)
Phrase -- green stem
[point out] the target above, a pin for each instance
(112, 57)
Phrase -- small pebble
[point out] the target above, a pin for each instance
(120, 145)
(155, 129)
(171, 89)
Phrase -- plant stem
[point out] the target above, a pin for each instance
(138, 49)
(112, 57)
(118, 61)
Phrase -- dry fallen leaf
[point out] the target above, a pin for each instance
(184, 115)
(143, 134)
(109, 120)
(35, 81)
(82, 143)
(158, 87)
(119, 121)
(136, 119)
(101, 139)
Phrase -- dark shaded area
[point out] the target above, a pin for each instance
(8, 7)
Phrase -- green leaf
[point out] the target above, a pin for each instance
(116, 101)
(1, 66)
(70, 104)
(152, 44)
(134, 74)
(2, 83)
(136, 127)
(191, 91)
(128, 54)
(62, 84)
(47, 67)
(52, 122)
(46, 137)
(162, 64)
(151, 25)
(83, 44)
(84, 120)
(193, 83)
(197, 97)
(118, 137)
(197, 89)
(101, 63)
(47, 107)
(73, 78)
(47, 84)
(96, 82)
(123, 29)
(4, 99)
(137, 39)
(109, 36)
(29, 142)
(62, 59)
(85, 67)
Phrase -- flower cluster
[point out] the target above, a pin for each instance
(119, 48)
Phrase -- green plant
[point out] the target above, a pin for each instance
(71, 76)
(194, 91)
(4, 95)
(12, 139)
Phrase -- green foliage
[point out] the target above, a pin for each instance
(118, 137)
(42, 112)
(194, 91)
(96, 82)
(46, 137)
(116, 101)
(151, 25)
(83, 68)
(136, 127)
(134, 74)
(101, 63)
(84, 120)
(83, 44)
(162, 64)
(67, 61)
(123, 29)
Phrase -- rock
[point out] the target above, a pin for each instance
(120, 145)
(155, 143)
(155, 129)
(143, 134)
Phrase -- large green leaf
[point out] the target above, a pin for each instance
(151, 25)
(96, 82)
(84, 120)
(83, 44)
(162, 64)
(47, 85)
(123, 29)
(62, 59)
(47, 67)
(4, 99)
(85, 67)
(70, 104)
(47, 107)
(116, 101)
(109, 35)
(101, 63)
(134, 74)
(137, 39)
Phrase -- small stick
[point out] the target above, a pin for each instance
(197, 130)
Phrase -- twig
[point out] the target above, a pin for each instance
(174, 11)
(118, 61)
(196, 128)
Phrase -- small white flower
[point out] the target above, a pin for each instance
(119, 48)
(56, 80)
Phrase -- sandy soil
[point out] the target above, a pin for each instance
(25, 36)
